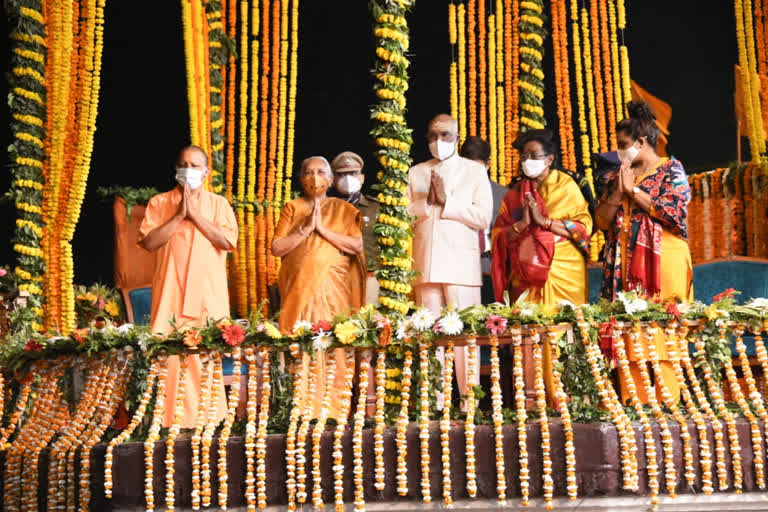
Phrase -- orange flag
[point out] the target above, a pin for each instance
(663, 112)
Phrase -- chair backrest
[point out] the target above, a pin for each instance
(138, 304)
(749, 276)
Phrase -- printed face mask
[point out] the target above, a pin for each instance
(314, 185)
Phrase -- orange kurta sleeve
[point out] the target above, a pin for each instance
(226, 222)
(154, 216)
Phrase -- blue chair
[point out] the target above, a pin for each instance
(138, 304)
(747, 275)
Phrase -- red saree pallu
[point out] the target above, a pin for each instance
(520, 262)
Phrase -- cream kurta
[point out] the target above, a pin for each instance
(446, 247)
(189, 285)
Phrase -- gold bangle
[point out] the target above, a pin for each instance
(515, 228)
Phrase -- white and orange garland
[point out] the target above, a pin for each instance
(426, 492)
(357, 433)
(226, 429)
(498, 420)
(522, 415)
(445, 425)
(469, 422)
(541, 405)
(402, 427)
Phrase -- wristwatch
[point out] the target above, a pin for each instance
(635, 190)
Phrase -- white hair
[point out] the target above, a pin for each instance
(306, 161)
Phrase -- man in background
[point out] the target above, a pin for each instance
(348, 184)
(478, 150)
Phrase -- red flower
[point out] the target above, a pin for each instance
(322, 325)
(33, 346)
(100, 303)
(385, 335)
(80, 334)
(729, 293)
(233, 334)
(673, 310)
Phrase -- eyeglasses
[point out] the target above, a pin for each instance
(534, 156)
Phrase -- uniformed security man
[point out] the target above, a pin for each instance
(348, 183)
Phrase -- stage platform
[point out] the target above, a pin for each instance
(597, 466)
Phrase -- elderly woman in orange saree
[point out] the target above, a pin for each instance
(320, 241)
(643, 210)
(540, 240)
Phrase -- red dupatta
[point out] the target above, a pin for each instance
(520, 262)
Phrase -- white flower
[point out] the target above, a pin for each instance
(639, 305)
(758, 303)
(109, 330)
(422, 319)
(402, 329)
(53, 340)
(451, 324)
(125, 328)
(567, 304)
(322, 340)
(302, 326)
(143, 339)
(684, 307)
(526, 313)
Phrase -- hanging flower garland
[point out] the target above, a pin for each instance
(541, 404)
(252, 405)
(512, 92)
(208, 431)
(138, 417)
(705, 454)
(152, 436)
(562, 406)
(173, 432)
(701, 399)
(378, 432)
(393, 139)
(357, 434)
(531, 77)
(261, 432)
(722, 410)
(498, 420)
(301, 437)
(202, 417)
(27, 123)
(445, 425)
(650, 442)
(402, 426)
(522, 428)
(226, 429)
(341, 426)
(425, 459)
(735, 389)
(461, 45)
(299, 367)
(317, 432)
(469, 422)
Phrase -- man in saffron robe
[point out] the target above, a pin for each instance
(192, 230)
(322, 274)
(451, 200)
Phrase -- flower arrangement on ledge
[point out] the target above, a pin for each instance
(581, 371)
(369, 328)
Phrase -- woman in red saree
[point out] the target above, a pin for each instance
(643, 210)
(540, 239)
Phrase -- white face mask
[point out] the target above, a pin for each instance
(189, 176)
(348, 184)
(441, 149)
(628, 154)
(533, 168)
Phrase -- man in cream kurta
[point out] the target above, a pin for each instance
(451, 200)
(192, 230)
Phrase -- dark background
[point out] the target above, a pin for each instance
(681, 51)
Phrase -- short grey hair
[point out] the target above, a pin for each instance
(307, 160)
